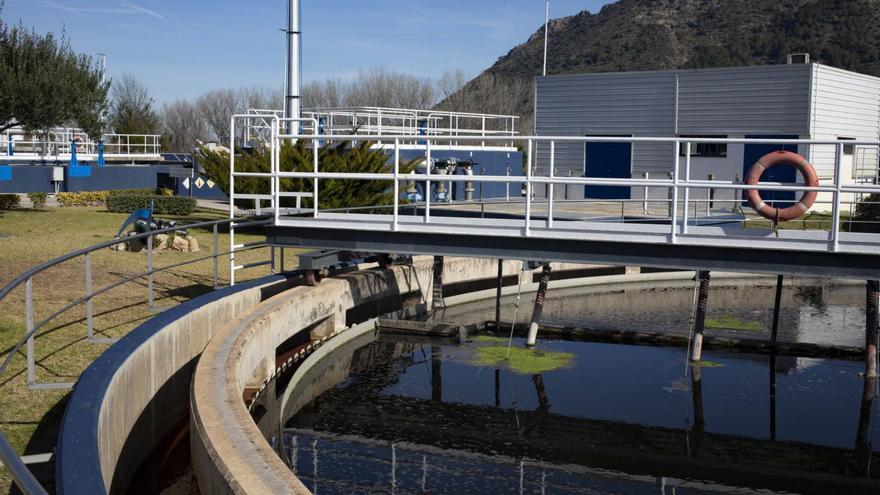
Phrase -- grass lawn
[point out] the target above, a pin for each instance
(30, 419)
(811, 221)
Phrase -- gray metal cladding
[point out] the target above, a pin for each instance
(773, 99)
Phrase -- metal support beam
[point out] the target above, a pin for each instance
(539, 306)
(871, 327)
(437, 288)
(498, 294)
(700, 318)
(776, 307)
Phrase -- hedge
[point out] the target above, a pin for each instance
(38, 199)
(867, 216)
(89, 198)
(97, 198)
(162, 205)
(9, 201)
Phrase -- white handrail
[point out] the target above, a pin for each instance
(680, 184)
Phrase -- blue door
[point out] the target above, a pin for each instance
(608, 161)
(754, 152)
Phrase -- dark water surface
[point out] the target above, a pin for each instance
(405, 415)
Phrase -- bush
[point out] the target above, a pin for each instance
(97, 198)
(89, 198)
(163, 205)
(38, 199)
(867, 216)
(9, 201)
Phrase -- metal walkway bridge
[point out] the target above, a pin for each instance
(686, 237)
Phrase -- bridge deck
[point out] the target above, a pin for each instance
(714, 247)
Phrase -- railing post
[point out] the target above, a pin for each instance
(150, 271)
(687, 189)
(29, 328)
(315, 200)
(428, 166)
(529, 190)
(90, 310)
(673, 220)
(507, 186)
(216, 258)
(552, 189)
(835, 217)
(645, 202)
(272, 260)
(394, 225)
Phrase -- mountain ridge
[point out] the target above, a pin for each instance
(633, 35)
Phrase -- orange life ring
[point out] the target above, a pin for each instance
(792, 160)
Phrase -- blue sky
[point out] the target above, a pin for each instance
(182, 48)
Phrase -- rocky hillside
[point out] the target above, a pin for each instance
(667, 34)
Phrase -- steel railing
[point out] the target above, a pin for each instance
(680, 184)
(21, 475)
(59, 145)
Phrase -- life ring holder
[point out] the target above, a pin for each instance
(779, 158)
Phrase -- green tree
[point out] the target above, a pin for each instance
(44, 83)
(297, 157)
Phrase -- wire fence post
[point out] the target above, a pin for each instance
(216, 279)
(29, 328)
(90, 310)
(150, 272)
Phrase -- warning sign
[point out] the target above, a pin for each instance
(200, 183)
(211, 184)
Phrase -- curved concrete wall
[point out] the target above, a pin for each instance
(229, 452)
(137, 391)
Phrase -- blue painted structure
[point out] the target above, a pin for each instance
(5, 173)
(101, 162)
(608, 161)
(754, 152)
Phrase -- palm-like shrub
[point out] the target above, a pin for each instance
(333, 193)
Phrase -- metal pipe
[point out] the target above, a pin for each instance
(294, 63)
(29, 329)
(216, 258)
(776, 307)
(700, 317)
(539, 306)
(150, 272)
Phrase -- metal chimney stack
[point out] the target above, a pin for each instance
(294, 66)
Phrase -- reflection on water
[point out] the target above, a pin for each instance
(814, 311)
(413, 418)
(405, 415)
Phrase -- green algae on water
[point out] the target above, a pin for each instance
(710, 364)
(522, 360)
(488, 339)
(730, 322)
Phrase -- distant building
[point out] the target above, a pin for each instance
(776, 102)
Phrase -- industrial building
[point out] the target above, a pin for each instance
(805, 100)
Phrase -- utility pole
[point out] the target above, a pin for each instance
(546, 31)
(294, 66)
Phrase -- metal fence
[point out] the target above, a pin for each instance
(19, 471)
(58, 145)
(685, 192)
